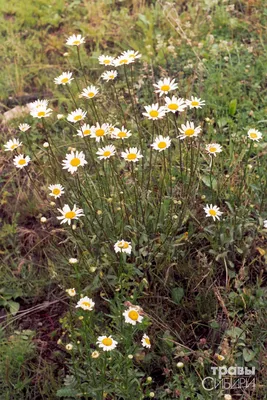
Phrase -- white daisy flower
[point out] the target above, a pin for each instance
(37, 104)
(12, 144)
(24, 127)
(189, 130)
(89, 92)
(41, 112)
(85, 303)
(77, 115)
(194, 102)
(212, 211)
(71, 292)
(106, 60)
(109, 75)
(74, 160)
(161, 143)
(98, 132)
(213, 148)
(123, 60)
(146, 341)
(75, 40)
(21, 161)
(131, 54)
(132, 315)
(106, 152)
(64, 78)
(165, 85)
(131, 154)
(254, 134)
(174, 104)
(73, 260)
(121, 246)
(154, 111)
(265, 224)
(120, 133)
(107, 343)
(56, 190)
(68, 215)
(84, 131)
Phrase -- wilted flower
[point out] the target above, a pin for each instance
(73, 260)
(71, 292)
(69, 346)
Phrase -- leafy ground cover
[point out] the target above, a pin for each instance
(200, 282)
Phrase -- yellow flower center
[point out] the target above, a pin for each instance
(212, 149)
(41, 114)
(147, 340)
(131, 156)
(253, 135)
(64, 80)
(133, 315)
(56, 191)
(122, 134)
(76, 42)
(107, 341)
(75, 162)
(154, 114)
(194, 103)
(189, 132)
(106, 153)
(124, 61)
(213, 213)
(86, 132)
(13, 146)
(165, 88)
(111, 76)
(123, 245)
(77, 117)
(90, 94)
(70, 214)
(173, 106)
(162, 145)
(86, 304)
(106, 61)
(22, 162)
(99, 132)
